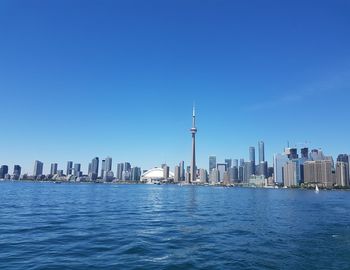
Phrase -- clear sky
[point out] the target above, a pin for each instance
(80, 79)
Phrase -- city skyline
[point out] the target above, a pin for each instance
(73, 89)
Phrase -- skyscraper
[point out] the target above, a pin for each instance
(177, 174)
(69, 167)
(228, 162)
(108, 164)
(94, 168)
(54, 167)
(103, 168)
(38, 168)
(17, 172)
(342, 174)
(4, 169)
(278, 162)
(261, 152)
(212, 163)
(252, 159)
(182, 171)
(120, 169)
(77, 170)
(193, 130)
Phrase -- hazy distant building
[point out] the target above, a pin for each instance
(103, 168)
(291, 173)
(214, 176)
(222, 168)
(4, 169)
(94, 169)
(342, 174)
(16, 172)
(241, 173)
(120, 169)
(203, 176)
(228, 162)
(166, 171)
(69, 168)
(291, 153)
(252, 159)
(261, 152)
(235, 163)
(77, 170)
(212, 163)
(278, 162)
(127, 167)
(38, 168)
(135, 174)
(177, 174)
(304, 152)
(316, 155)
(263, 169)
(182, 171)
(247, 171)
(54, 167)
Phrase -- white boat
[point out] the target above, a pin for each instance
(316, 189)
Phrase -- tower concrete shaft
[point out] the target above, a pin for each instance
(193, 160)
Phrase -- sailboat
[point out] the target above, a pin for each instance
(316, 189)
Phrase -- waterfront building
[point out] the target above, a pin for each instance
(291, 173)
(69, 168)
(203, 176)
(235, 163)
(318, 171)
(222, 168)
(155, 175)
(16, 172)
(241, 173)
(103, 168)
(135, 174)
(77, 170)
(279, 161)
(193, 131)
(256, 180)
(120, 169)
(247, 171)
(261, 152)
(214, 176)
(182, 171)
(4, 169)
(38, 168)
(94, 169)
(166, 171)
(177, 174)
(109, 176)
(234, 174)
(126, 175)
(127, 166)
(342, 174)
(212, 163)
(54, 167)
(60, 173)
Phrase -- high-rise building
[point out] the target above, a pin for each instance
(304, 152)
(214, 176)
(54, 167)
(135, 174)
(38, 168)
(291, 173)
(252, 159)
(319, 171)
(203, 176)
(120, 169)
(103, 168)
(166, 171)
(222, 168)
(94, 169)
(212, 163)
(263, 168)
(108, 164)
(193, 131)
(77, 170)
(69, 170)
(228, 162)
(342, 174)
(278, 162)
(4, 169)
(127, 167)
(291, 153)
(241, 162)
(177, 173)
(247, 171)
(182, 171)
(261, 152)
(235, 163)
(17, 172)
(241, 173)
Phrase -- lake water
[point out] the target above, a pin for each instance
(91, 226)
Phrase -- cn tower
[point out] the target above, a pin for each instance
(193, 130)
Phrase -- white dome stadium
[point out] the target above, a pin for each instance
(155, 174)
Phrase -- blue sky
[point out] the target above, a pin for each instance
(80, 79)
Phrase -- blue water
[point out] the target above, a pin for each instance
(86, 226)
